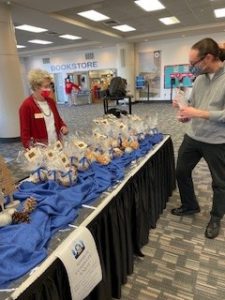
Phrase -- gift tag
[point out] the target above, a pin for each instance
(31, 155)
(50, 154)
(80, 144)
(58, 146)
(64, 159)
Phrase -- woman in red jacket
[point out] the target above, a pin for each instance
(39, 117)
(69, 88)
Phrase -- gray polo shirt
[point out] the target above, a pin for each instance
(209, 94)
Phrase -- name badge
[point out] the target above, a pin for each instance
(38, 116)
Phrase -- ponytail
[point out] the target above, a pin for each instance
(222, 54)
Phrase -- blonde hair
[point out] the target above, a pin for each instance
(37, 76)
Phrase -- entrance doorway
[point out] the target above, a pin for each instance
(82, 79)
(99, 82)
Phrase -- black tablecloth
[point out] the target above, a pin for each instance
(120, 231)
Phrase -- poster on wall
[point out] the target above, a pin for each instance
(140, 82)
(177, 75)
(150, 69)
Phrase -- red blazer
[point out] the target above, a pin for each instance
(32, 123)
(69, 86)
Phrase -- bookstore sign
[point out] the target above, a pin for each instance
(80, 66)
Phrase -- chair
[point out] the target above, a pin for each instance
(108, 98)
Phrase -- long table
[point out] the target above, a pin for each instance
(119, 221)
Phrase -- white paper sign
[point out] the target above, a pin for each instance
(80, 258)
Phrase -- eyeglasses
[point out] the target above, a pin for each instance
(198, 61)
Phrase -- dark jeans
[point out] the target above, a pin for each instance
(190, 153)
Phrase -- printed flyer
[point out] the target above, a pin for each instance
(80, 258)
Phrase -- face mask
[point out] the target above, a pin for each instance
(196, 70)
(45, 93)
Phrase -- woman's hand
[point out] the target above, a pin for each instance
(64, 130)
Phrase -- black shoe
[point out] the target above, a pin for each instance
(212, 229)
(181, 211)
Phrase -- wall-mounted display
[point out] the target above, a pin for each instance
(177, 76)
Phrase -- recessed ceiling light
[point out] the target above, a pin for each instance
(150, 5)
(69, 37)
(219, 13)
(20, 46)
(41, 42)
(169, 20)
(93, 15)
(124, 28)
(31, 28)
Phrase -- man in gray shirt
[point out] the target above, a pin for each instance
(205, 136)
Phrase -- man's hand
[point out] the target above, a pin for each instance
(174, 103)
(191, 112)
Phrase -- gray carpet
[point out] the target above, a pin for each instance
(179, 263)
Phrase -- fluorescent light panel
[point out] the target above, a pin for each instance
(69, 37)
(124, 28)
(219, 13)
(169, 20)
(20, 46)
(31, 28)
(93, 15)
(41, 42)
(150, 5)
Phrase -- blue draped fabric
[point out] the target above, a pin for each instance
(23, 246)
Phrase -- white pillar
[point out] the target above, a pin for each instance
(11, 86)
(126, 65)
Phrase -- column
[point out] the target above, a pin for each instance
(126, 65)
(11, 86)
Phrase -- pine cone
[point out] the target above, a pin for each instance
(29, 205)
(20, 217)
